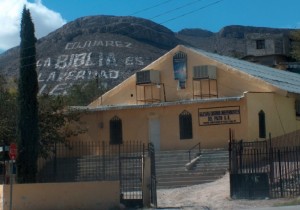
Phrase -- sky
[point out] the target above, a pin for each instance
(212, 15)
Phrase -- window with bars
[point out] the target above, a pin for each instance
(185, 125)
(262, 124)
(260, 44)
(115, 128)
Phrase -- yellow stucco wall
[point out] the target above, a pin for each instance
(279, 111)
(230, 81)
(135, 124)
(63, 196)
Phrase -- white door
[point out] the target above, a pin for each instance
(154, 132)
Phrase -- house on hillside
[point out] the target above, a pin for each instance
(273, 50)
(189, 96)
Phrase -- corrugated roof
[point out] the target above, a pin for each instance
(284, 80)
(161, 104)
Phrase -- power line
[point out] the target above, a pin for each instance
(164, 13)
(193, 11)
(146, 9)
(142, 21)
(134, 13)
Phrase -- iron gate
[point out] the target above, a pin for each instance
(131, 177)
(258, 170)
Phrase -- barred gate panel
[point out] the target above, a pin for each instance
(285, 172)
(249, 185)
(260, 162)
(131, 175)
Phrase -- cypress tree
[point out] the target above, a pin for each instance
(28, 132)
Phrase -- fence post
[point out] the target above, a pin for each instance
(241, 155)
(229, 150)
(280, 175)
(296, 152)
(146, 180)
(120, 172)
(270, 140)
(230, 163)
(103, 160)
(55, 162)
(271, 161)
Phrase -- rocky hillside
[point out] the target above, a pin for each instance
(230, 40)
(113, 48)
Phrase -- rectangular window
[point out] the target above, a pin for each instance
(260, 44)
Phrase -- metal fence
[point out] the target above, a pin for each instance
(98, 161)
(86, 161)
(80, 161)
(260, 169)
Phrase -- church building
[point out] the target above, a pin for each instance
(190, 96)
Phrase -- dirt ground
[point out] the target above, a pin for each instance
(212, 196)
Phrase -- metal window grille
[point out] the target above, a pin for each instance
(185, 124)
(116, 136)
(262, 124)
(180, 55)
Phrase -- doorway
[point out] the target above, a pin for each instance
(154, 132)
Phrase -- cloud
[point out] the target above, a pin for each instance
(44, 19)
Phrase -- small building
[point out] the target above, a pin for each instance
(189, 96)
(268, 49)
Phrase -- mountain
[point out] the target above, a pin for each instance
(230, 40)
(114, 47)
(109, 47)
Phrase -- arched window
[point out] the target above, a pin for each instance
(185, 125)
(262, 124)
(115, 128)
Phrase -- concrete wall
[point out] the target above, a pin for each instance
(279, 111)
(63, 196)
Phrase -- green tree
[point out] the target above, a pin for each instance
(57, 123)
(8, 109)
(296, 44)
(28, 132)
(82, 94)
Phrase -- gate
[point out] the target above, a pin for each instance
(259, 170)
(97, 161)
(131, 175)
(153, 195)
